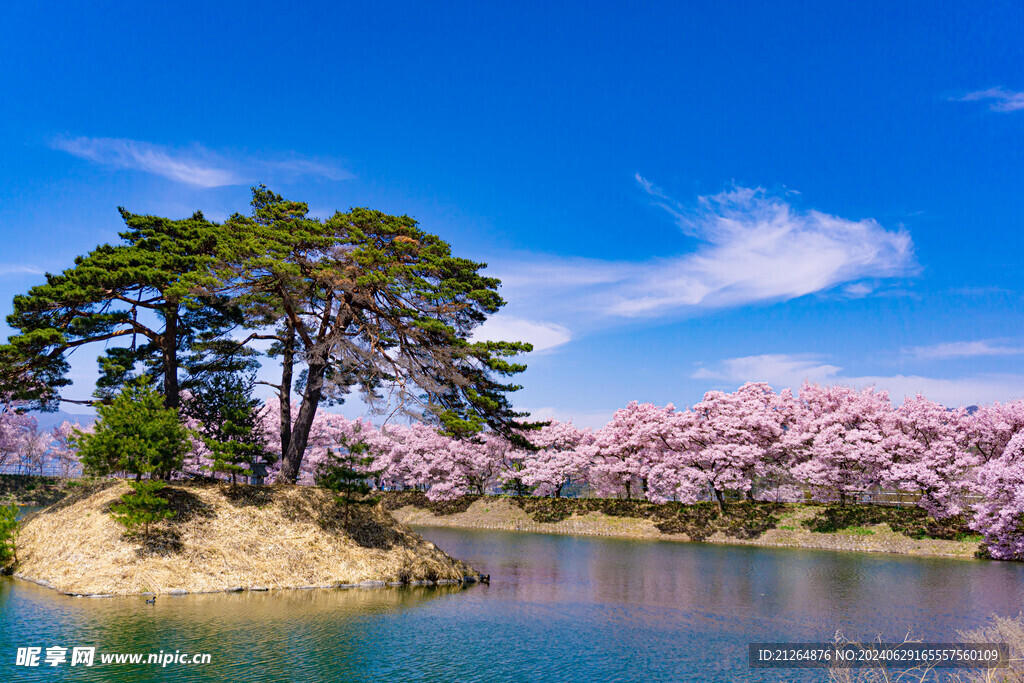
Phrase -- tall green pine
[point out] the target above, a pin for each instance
(227, 418)
(135, 434)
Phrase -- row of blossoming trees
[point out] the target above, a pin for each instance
(26, 448)
(830, 442)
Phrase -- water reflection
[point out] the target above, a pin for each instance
(704, 603)
(558, 607)
(277, 635)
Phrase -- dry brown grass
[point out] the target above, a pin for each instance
(274, 537)
(1006, 630)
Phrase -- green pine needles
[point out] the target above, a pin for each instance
(135, 435)
(226, 418)
(10, 527)
(346, 473)
(143, 507)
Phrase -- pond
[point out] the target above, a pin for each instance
(558, 607)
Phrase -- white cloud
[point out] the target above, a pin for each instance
(858, 290)
(784, 370)
(195, 165)
(17, 269)
(1000, 99)
(752, 248)
(757, 247)
(543, 335)
(789, 371)
(985, 347)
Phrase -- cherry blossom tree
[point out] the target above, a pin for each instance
(63, 451)
(992, 426)
(406, 455)
(419, 456)
(840, 433)
(632, 451)
(32, 449)
(562, 458)
(735, 439)
(14, 425)
(1000, 514)
(926, 451)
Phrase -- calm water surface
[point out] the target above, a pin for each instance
(558, 607)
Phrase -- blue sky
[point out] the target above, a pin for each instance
(678, 196)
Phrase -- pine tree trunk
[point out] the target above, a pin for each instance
(287, 367)
(169, 349)
(292, 460)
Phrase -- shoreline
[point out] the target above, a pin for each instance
(499, 514)
(180, 592)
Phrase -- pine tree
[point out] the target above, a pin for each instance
(226, 418)
(143, 507)
(153, 292)
(372, 294)
(135, 434)
(345, 473)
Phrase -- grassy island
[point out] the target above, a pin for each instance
(252, 538)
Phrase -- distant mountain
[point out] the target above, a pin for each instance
(48, 421)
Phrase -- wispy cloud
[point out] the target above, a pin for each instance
(19, 269)
(999, 99)
(785, 370)
(758, 247)
(790, 371)
(543, 335)
(973, 349)
(858, 290)
(752, 247)
(194, 165)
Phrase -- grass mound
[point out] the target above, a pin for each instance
(274, 537)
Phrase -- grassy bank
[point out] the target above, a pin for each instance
(219, 539)
(864, 528)
(32, 490)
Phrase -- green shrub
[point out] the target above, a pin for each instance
(345, 474)
(134, 434)
(10, 527)
(143, 507)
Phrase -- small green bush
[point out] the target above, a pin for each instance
(10, 527)
(143, 507)
(345, 474)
